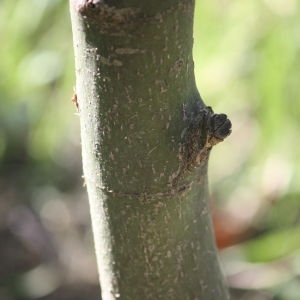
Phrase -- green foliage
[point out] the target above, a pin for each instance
(36, 71)
(273, 245)
(247, 56)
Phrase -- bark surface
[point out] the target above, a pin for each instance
(146, 136)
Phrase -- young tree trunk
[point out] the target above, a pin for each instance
(146, 136)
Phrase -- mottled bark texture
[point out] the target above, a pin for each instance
(146, 136)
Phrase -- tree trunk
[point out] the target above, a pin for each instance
(146, 136)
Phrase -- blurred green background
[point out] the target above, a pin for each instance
(247, 61)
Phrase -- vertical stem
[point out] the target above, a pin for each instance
(136, 91)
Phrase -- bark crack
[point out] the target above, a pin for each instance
(117, 21)
(145, 196)
(111, 20)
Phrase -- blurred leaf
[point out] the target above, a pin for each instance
(273, 245)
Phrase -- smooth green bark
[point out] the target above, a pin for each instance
(136, 94)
